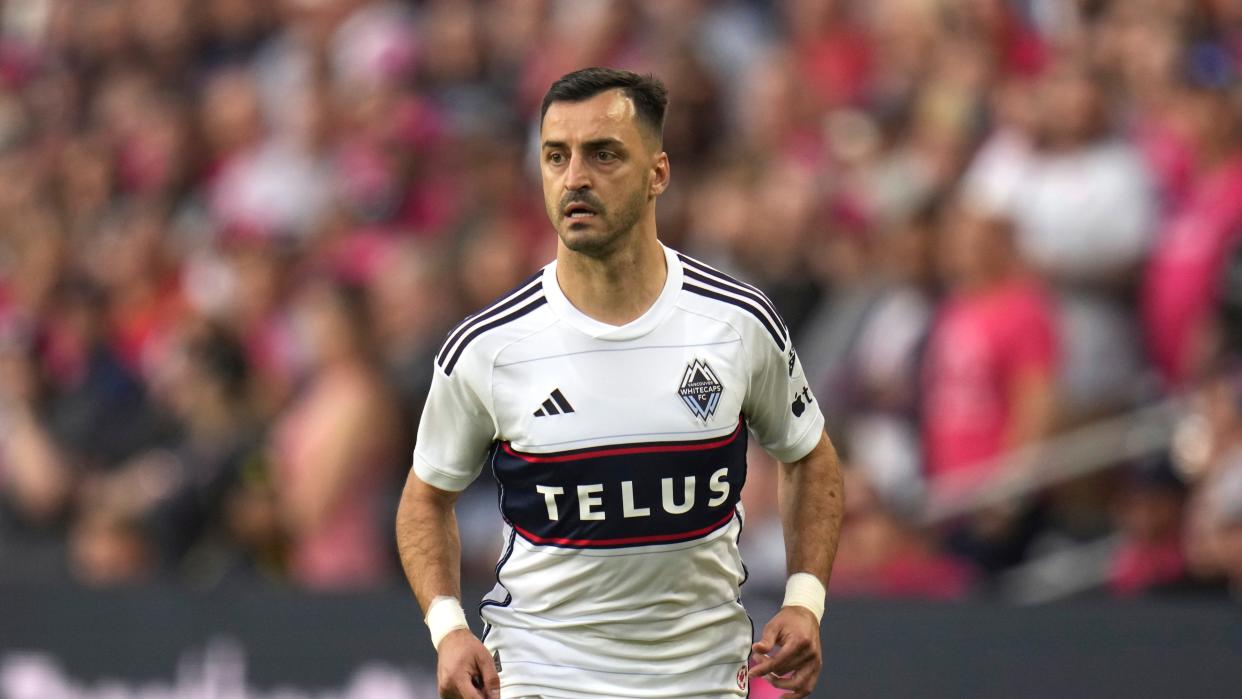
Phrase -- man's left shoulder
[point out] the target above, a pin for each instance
(743, 305)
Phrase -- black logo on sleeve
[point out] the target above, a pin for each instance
(554, 404)
(700, 389)
(792, 359)
(801, 400)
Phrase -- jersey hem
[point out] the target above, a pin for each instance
(804, 445)
(437, 477)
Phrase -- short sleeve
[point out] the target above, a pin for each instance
(780, 409)
(454, 434)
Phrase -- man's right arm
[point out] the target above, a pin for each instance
(454, 435)
(430, 548)
(428, 541)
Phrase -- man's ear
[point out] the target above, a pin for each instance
(659, 175)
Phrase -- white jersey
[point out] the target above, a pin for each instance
(620, 455)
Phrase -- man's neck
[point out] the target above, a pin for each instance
(616, 289)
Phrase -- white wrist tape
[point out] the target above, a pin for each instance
(444, 615)
(805, 590)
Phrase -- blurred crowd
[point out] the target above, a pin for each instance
(233, 234)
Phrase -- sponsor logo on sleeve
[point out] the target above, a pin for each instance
(801, 400)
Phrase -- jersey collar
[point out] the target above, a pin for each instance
(638, 327)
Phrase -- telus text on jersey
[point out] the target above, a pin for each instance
(591, 497)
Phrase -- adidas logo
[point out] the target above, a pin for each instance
(554, 405)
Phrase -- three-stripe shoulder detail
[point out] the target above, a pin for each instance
(526, 298)
(709, 282)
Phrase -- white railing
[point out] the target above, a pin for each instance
(1070, 569)
(1064, 457)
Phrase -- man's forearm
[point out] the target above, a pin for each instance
(428, 541)
(812, 501)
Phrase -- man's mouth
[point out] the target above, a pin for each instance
(579, 211)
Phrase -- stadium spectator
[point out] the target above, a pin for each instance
(1149, 514)
(1222, 514)
(108, 548)
(992, 355)
(176, 494)
(871, 337)
(989, 378)
(99, 409)
(246, 282)
(881, 554)
(411, 318)
(1207, 448)
(35, 478)
(1180, 285)
(332, 448)
(1083, 211)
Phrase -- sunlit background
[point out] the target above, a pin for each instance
(233, 234)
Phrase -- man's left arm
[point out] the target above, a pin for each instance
(811, 495)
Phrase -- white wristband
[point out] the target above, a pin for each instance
(805, 590)
(444, 615)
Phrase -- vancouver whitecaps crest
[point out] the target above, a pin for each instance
(700, 389)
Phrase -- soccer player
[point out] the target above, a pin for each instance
(612, 395)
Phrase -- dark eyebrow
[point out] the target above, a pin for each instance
(599, 143)
(594, 144)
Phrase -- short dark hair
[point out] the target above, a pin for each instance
(648, 94)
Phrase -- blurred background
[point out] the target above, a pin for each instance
(233, 233)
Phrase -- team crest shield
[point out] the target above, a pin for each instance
(700, 389)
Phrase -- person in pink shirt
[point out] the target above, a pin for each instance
(1181, 287)
(333, 446)
(988, 380)
(992, 355)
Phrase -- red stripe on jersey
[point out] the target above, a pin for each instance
(626, 540)
(622, 451)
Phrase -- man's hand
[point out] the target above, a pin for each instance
(465, 669)
(795, 665)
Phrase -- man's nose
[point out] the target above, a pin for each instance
(576, 175)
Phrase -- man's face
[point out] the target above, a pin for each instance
(972, 246)
(601, 171)
(1071, 106)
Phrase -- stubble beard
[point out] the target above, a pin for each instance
(617, 229)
